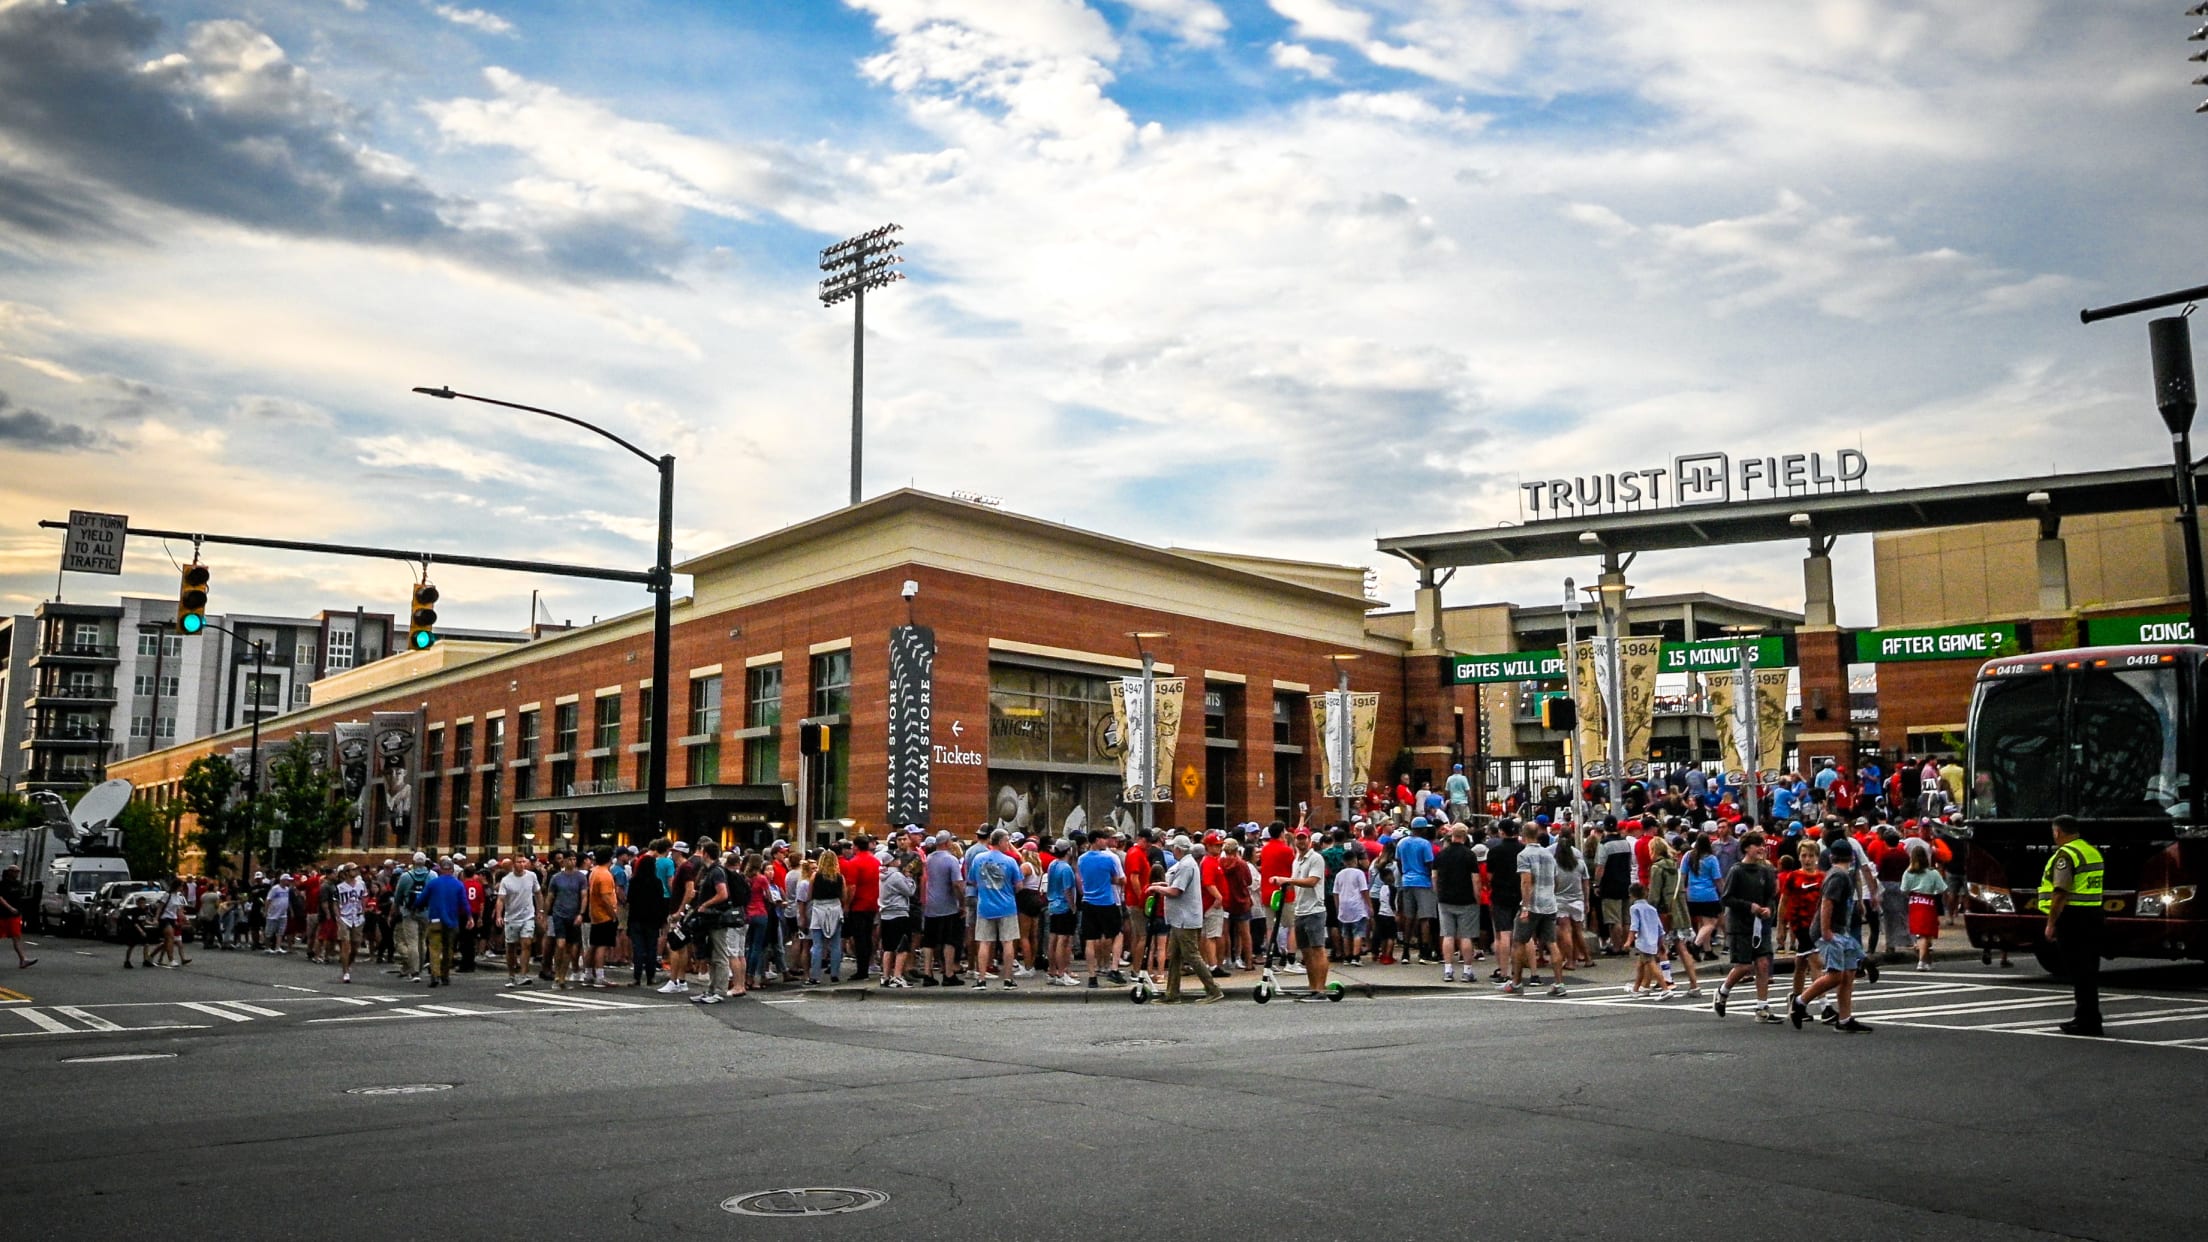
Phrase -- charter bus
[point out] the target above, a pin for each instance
(2110, 735)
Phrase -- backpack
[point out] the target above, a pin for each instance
(417, 898)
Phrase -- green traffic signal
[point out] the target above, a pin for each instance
(191, 598)
(192, 623)
(422, 620)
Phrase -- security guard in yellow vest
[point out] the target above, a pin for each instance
(2070, 893)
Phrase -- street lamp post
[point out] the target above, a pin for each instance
(1574, 760)
(662, 589)
(855, 265)
(2171, 342)
(1147, 757)
(1346, 750)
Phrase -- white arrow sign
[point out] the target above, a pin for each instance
(958, 729)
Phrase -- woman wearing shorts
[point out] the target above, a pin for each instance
(900, 888)
(1705, 903)
(1571, 907)
(1668, 893)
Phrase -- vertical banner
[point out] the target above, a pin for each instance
(349, 756)
(1327, 722)
(1730, 710)
(911, 724)
(241, 760)
(1591, 739)
(1130, 733)
(1640, 655)
(1638, 658)
(396, 743)
(1770, 719)
(1166, 694)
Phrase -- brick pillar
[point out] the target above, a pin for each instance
(1824, 654)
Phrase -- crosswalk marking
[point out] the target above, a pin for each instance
(216, 1010)
(96, 1023)
(1959, 1010)
(456, 1010)
(41, 1020)
(256, 1010)
(577, 1002)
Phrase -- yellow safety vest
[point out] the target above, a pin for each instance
(2085, 876)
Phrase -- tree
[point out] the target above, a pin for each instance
(143, 828)
(210, 787)
(302, 800)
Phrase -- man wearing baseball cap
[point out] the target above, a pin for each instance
(1182, 890)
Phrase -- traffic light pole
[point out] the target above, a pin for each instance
(555, 568)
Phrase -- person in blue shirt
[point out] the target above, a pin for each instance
(993, 877)
(1059, 885)
(1415, 910)
(1782, 801)
(1100, 874)
(447, 909)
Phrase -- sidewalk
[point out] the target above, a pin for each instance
(1359, 982)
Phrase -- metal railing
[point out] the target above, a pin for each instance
(93, 651)
(86, 693)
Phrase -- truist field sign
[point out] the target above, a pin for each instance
(1697, 479)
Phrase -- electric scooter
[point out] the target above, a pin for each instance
(1268, 987)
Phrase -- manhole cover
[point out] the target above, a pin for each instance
(404, 1088)
(1136, 1043)
(807, 1201)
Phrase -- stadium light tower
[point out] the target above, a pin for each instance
(855, 265)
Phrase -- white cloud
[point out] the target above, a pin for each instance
(440, 454)
(1296, 58)
(474, 19)
(1198, 23)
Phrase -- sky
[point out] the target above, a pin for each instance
(1276, 278)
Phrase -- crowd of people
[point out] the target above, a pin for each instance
(1676, 884)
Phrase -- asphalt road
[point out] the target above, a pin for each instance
(1437, 1116)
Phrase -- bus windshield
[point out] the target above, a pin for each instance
(2095, 743)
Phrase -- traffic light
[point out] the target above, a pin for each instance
(813, 739)
(422, 621)
(1558, 713)
(191, 598)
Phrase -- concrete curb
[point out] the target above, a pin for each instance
(1355, 986)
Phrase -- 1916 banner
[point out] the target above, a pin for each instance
(911, 724)
(1327, 722)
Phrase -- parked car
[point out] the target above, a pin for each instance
(104, 913)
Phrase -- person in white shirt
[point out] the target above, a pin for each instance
(352, 917)
(1309, 882)
(1352, 908)
(518, 918)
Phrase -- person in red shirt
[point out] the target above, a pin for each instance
(1137, 882)
(476, 890)
(862, 900)
(1402, 790)
(1275, 862)
(1642, 860)
(1215, 904)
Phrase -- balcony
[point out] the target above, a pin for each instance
(64, 651)
(53, 695)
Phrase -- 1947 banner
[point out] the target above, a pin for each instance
(911, 724)
(1129, 731)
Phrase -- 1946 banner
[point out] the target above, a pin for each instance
(1129, 731)
(911, 724)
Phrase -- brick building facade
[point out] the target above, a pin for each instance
(544, 742)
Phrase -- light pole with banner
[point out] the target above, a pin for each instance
(1346, 726)
(1610, 599)
(1147, 757)
(1745, 708)
(1573, 759)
